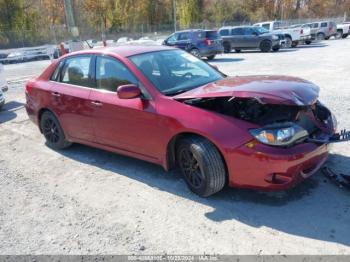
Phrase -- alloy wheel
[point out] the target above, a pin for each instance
(51, 131)
(190, 168)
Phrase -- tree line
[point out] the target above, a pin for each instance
(34, 21)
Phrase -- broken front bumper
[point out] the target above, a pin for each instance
(263, 167)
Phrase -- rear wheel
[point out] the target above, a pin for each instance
(211, 57)
(238, 50)
(265, 46)
(345, 36)
(327, 38)
(201, 165)
(308, 42)
(339, 34)
(195, 52)
(53, 131)
(227, 47)
(320, 36)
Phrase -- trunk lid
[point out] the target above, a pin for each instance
(283, 90)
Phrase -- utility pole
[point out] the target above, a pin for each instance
(68, 10)
(174, 10)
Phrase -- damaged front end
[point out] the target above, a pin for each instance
(279, 124)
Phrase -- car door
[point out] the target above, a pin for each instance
(251, 38)
(70, 90)
(183, 41)
(124, 124)
(237, 37)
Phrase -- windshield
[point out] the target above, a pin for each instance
(174, 71)
(261, 30)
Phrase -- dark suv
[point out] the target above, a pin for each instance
(250, 37)
(200, 43)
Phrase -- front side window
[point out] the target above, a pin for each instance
(174, 71)
(76, 71)
(266, 26)
(110, 73)
(172, 38)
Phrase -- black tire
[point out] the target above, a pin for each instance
(52, 131)
(320, 36)
(288, 41)
(339, 34)
(195, 52)
(276, 48)
(327, 38)
(201, 165)
(211, 57)
(227, 47)
(295, 44)
(308, 42)
(238, 50)
(345, 36)
(265, 46)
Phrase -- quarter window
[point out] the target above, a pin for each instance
(76, 71)
(111, 73)
(237, 31)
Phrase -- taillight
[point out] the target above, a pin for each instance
(330, 29)
(207, 42)
(27, 88)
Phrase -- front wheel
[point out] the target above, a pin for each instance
(339, 35)
(288, 42)
(211, 57)
(201, 165)
(345, 36)
(53, 132)
(320, 36)
(238, 50)
(265, 46)
(308, 42)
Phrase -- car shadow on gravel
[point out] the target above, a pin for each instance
(320, 45)
(8, 112)
(314, 209)
(227, 60)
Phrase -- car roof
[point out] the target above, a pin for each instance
(124, 50)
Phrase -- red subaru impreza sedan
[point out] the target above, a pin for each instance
(163, 105)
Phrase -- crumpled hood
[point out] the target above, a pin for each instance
(266, 89)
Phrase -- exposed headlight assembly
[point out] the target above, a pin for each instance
(279, 135)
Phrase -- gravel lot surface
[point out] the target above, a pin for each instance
(88, 201)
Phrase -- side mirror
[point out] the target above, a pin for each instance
(128, 91)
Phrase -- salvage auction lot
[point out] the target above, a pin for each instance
(85, 200)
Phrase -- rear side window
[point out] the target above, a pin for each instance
(224, 32)
(248, 31)
(237, 31)
(183, 36)
(110, 73)
(55, 75)
(76, 71)
(212, 35)
(324, 24)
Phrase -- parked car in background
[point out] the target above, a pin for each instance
(305, 30)
(343, 30)
(249, 37)
(293, 36)
(163, 105)
(3, 86)
(323, 30)
(198, 42)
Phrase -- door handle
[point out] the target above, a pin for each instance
(56, 94)
(96, 103)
